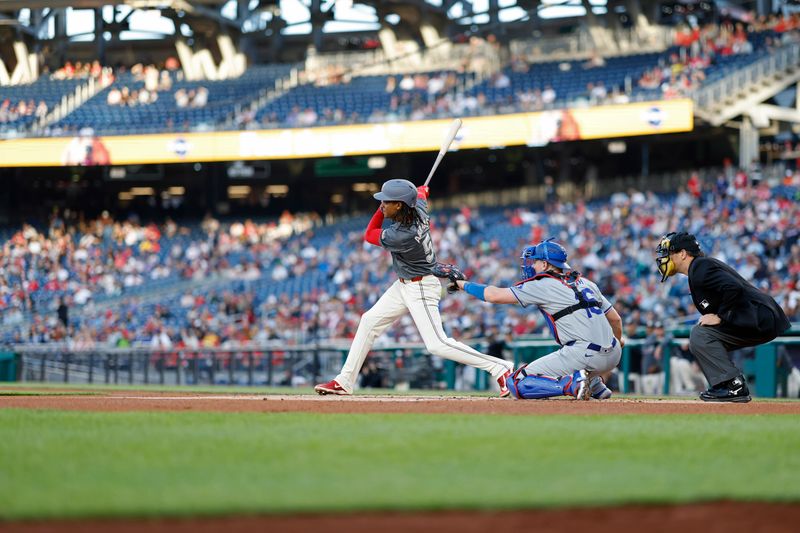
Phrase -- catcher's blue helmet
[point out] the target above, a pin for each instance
(548, 251)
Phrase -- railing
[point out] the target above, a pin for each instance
(580, 45)
(779, 61)
(403, 365)
(441, 56)
(265, 365)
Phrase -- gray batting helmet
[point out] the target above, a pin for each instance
(398, 190)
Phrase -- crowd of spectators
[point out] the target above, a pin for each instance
(148, 81)
(700, 47)
(675, 75)
(81, 70)
(192, 98)
(88, 260)
(742, 221)
(11, 112)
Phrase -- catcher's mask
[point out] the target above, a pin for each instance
(548, 251)
(672, 243)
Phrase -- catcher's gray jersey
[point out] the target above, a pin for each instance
(551, 295)
(411, 246)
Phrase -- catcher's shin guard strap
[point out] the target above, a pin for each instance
(535, 387)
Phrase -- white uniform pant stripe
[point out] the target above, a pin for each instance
(442, 345)
(421, 299)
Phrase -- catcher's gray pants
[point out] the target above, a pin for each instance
(569, 359)
(710, 346)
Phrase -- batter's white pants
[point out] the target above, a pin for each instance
(421, 299)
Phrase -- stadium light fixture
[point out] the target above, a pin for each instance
(617, 147)
(376, 162)
(277, 190)
(238, 191)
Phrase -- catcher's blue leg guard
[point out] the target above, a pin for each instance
(534, 387)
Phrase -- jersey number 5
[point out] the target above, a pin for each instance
(424, 238)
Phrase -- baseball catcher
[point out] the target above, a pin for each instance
(582, 321)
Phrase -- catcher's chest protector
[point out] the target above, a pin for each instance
(569, 280)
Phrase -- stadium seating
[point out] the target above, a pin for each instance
(42, 90)
(357, 100)
(223, 98)
(307, 274)
(361, 98)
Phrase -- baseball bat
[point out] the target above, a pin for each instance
(448, 140)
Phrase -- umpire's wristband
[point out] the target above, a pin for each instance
(475, 289)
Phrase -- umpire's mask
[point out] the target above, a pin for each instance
(672, 243)
(664, 262)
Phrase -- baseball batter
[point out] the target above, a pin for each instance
(582, 321)
(416, 291)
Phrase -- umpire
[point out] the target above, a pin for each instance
(734, 314)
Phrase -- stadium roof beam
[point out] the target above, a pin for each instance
(5, 20)
(213, 14)
(9, 5)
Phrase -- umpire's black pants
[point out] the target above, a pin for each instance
(710, 346)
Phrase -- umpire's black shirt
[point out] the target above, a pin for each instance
(746, 312)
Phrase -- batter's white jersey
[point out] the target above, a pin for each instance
(551, 295)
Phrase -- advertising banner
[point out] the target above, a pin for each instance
(498, 131)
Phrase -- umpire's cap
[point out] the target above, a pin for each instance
(673, 243)
(398, 190)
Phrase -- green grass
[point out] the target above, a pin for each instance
(80, 464)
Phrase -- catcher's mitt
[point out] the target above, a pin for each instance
(451, 272)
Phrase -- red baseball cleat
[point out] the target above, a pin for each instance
(332, 387)
(502, 381)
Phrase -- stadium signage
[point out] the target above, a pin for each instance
(532, 129)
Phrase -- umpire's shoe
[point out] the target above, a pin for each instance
(734, 390)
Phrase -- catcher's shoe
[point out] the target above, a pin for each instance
(503, 382)
(578, 386)
(331, 387)
(599, 389)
